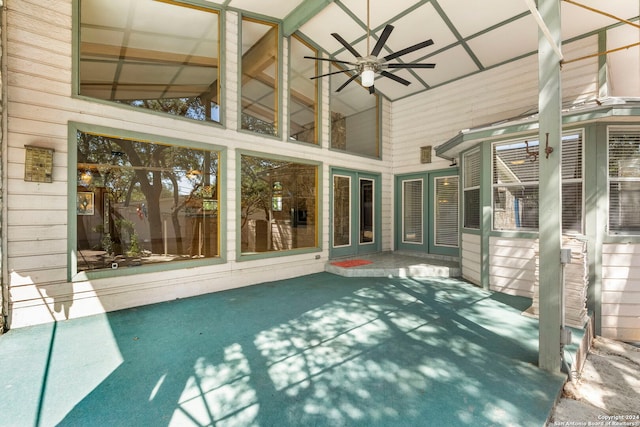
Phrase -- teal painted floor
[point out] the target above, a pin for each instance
(319, 350)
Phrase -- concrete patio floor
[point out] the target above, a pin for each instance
(318, 350)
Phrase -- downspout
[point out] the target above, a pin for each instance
(4, 278)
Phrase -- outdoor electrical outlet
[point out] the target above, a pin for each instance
(565, 336)
(565, 256)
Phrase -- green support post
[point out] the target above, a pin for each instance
(550, 188)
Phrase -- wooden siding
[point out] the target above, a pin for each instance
(470, 258)
(40, 106)
(512, 265)
(621, 291)
(435, 116)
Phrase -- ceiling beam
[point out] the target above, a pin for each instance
(301, 14)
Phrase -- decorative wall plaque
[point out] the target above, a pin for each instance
(38, 164)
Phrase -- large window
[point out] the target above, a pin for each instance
(624, 180)
(515, 184)
(259, 85)
(354, 116)
(471, 189)
(279, 205)
(158, 55)
(303, 92)
(141, 202)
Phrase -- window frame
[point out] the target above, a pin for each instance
(580, 132)
(378, 114)
(240, 256)
(73, 275)
(278, 119)
(205, 6)
(465, 160)
(318, 92)
(610, 233)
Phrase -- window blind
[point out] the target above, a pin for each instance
(412, 211)
(446, 217)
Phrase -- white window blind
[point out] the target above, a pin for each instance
(446, 215)
(515, 184)
(624, 180)
(412, 211)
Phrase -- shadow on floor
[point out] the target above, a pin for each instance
(316, 350)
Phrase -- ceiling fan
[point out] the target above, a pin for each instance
(367, 66)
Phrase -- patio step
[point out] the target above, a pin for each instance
(394, 264)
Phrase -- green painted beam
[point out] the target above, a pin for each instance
(550, 189)
(301, 14)
(603, 81)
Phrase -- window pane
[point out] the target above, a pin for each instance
(515, 189)
(366, 211)
(279, 205)
(303, 93)
(515, 208)
(412, 211)
(354, 117)
(472, 208)
(572, 207)
(259, 77)
(141, 203)
(168, 63)
(624, 181)
(341, 211)
(471, 169)
(446, 198)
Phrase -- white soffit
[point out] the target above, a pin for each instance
(471, 17)
(506, 42)
(394, 90)
(274, 8)
(332, 19)
(450, 65)
(626, 63)
(379, 12)
(422, 24)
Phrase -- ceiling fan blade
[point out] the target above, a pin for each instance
(382, 40)
(347, 82)
(329, 74)
(410, 65)
(408, 50)
(396, 78)
(330, 60)
(346, 45)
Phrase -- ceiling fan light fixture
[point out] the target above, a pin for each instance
(367, 76)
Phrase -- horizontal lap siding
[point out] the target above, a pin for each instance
(621, 291)
(512, 266)
(39, 74)
(471, 258)
(511, 90)
(40, 106)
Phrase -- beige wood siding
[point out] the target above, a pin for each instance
(621, 291)
(470, 258)
(512, 265)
